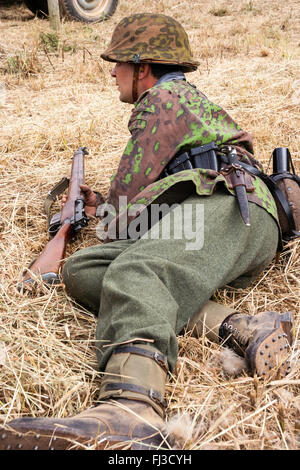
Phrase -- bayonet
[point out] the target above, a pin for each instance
(236, 175)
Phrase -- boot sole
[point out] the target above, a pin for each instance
(11, 439)
(268, 357)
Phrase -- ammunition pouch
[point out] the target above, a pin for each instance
(198, 157)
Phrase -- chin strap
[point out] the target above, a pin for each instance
(135, 80)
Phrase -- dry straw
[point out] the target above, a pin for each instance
(57, 94)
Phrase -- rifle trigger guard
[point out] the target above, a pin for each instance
(80, 219)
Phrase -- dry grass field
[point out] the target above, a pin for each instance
(57, 94)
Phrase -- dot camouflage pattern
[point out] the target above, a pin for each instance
(171, 117)
(150, 38)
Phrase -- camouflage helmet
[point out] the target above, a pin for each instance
(150, 38)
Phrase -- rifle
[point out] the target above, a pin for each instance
(63, 228)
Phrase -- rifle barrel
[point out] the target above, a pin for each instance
(77, 178)
(48, 264)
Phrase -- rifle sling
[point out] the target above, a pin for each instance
(57, 190)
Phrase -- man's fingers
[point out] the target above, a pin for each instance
(64, 199)
(84, 188)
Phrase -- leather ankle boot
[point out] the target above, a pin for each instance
(129, 417)
(263, 339)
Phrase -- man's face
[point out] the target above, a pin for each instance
(123, 73)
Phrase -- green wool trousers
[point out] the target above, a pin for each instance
(149, 288)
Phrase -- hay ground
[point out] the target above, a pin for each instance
(56, 94)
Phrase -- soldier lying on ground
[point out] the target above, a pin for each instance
(146, 289)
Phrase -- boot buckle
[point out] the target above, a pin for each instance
(157, 398)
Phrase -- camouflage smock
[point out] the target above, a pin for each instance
(171, 117)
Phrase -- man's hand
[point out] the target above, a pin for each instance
(91, 199)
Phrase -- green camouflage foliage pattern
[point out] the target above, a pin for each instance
(170, 117)
(204, 183)
(148, 37)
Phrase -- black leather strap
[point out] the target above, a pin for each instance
(152, 394)
(281, 176)
(154, 355)
(274, 189)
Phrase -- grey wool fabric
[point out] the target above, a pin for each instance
(149, 288)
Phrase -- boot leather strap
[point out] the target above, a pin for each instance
(152, 394)
(136, 372)
(159, 358)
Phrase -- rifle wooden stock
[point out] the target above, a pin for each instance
(47, 265)
(63, 226)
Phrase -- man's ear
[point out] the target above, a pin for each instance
(144, 71)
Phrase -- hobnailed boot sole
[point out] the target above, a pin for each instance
(11, 439)
(267, 355)
(99, 428)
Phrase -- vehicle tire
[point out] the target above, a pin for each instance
(89, 11)
(38, 7)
